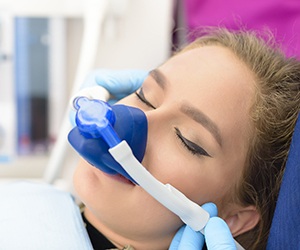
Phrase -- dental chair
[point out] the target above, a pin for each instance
(285, 229)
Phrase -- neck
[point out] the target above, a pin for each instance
(120, 240)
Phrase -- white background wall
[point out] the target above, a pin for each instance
(137, 35)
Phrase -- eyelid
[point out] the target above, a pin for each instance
(191, 146)
(141, 97)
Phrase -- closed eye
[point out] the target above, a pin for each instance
(141, 97)
(192, 147)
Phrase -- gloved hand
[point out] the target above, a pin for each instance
(217, 234)
(119, 83)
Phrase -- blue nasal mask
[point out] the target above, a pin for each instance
(113, 139)
(101, 126)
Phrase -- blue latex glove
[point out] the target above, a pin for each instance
(217, 234)
(119, 83)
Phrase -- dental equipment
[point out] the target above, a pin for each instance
(113, 139)
(93, 18)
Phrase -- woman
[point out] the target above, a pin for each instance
(221, 113)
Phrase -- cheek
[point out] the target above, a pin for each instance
(201, 179)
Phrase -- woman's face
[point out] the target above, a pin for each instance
(197, 105)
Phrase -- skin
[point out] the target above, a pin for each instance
(212, 81)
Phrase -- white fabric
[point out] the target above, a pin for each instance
(38, 216)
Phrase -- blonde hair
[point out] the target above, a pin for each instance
(273, 116)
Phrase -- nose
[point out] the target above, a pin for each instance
(159, 125)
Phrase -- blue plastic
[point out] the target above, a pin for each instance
(101, 126)
(285, 229)
(95, 119)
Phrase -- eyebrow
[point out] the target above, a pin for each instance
(204, 120)
(159, 78)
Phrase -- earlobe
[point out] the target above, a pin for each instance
(242, 220)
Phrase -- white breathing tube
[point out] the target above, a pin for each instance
(189, 212)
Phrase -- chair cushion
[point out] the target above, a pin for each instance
(39, 216)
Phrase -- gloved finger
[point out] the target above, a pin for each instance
(211, 208)
(187, 238)
(218, 235)
(177, 238)
(120, 83)
(72, 115)
(191, 240)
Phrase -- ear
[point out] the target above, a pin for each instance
(241, 220)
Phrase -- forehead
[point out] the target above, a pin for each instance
(216, 61)
(209, 68)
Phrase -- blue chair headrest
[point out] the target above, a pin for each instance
(285, 228)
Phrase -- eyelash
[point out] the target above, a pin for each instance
(142, 98)
(199, 151)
